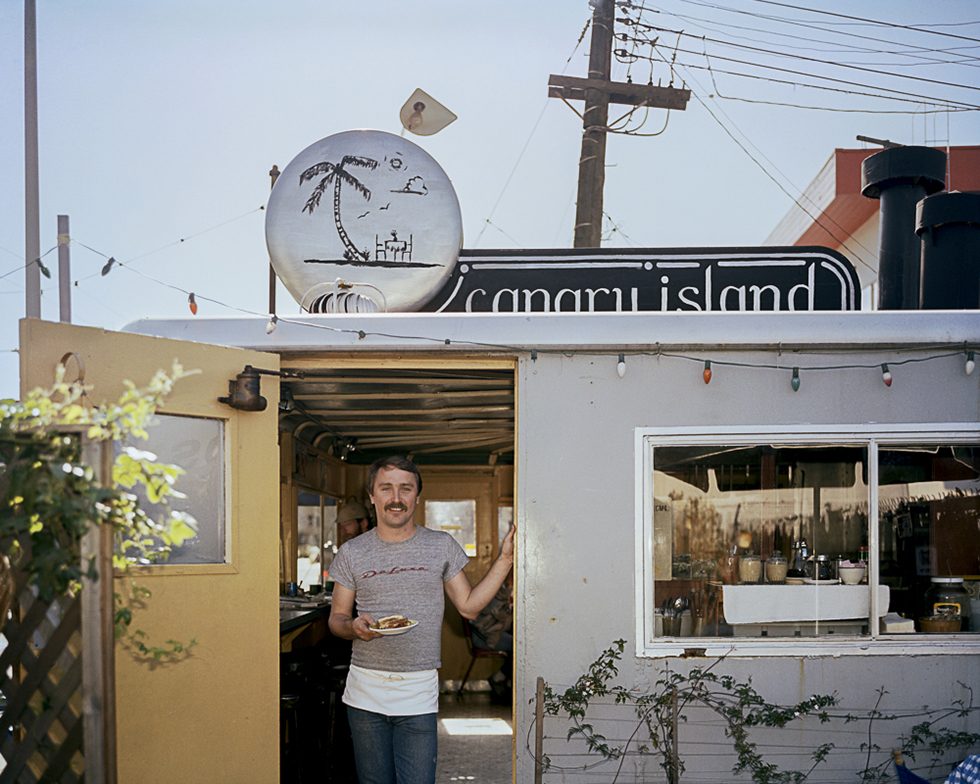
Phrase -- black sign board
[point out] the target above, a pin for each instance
(628, 280)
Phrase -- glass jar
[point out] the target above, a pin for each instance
(948, 597)
(749, 569)
(776, 567)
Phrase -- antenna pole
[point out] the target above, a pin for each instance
(273, 175)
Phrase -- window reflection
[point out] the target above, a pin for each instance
(743, 536)
(928, 508)
(316, 536)
(458, 518)
(773, 540)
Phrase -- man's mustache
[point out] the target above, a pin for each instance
(396, 506)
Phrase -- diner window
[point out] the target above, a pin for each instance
(197, 447)
(929, 547)
(457, 518)
(765, 539)
(316, 537)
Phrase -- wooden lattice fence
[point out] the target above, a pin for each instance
(56, 687)
(41, 678)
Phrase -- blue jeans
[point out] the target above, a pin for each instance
(393, 749)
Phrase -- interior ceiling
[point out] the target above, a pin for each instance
(439, 417)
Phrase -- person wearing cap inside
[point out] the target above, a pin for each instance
(400, 572)
(352, 520)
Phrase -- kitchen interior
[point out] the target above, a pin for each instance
(456, 420)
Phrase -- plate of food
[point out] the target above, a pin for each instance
(393, 624)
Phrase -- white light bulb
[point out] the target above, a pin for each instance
(270, 327)
(970, 363)
(621, 366)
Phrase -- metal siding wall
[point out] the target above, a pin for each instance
(576, 514)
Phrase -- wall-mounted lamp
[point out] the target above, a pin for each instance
(342, 447)
(244, 392)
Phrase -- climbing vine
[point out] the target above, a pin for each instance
(49, 496)
(660, 710)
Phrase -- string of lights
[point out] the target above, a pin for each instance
(179, 241)
(44, 270)
(707, 363)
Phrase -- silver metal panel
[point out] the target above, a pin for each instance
(577, 503)
(578, 331)
(363, 221)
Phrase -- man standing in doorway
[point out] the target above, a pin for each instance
(399, 568)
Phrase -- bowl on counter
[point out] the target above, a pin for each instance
(852, 575)
(940, 624)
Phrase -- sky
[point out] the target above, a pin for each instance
(159, 122)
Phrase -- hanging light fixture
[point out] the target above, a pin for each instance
(706, 373)
(971, 363)
(621, 366)
(886, 374)
(795, 381)
(270, 327)
(192, 303)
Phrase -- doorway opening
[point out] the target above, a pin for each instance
(456, 420)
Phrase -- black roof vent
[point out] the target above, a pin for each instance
(949, 226)
(900, 177)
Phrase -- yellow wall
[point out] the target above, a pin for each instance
(213, 717)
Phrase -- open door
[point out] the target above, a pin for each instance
(214, 716)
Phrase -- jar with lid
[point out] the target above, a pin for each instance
(749, 568)
(947, 597)
(776, 567)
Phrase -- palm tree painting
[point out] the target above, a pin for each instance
(338, 175)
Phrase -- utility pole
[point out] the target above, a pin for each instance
(597, 91)
(64, 269)
(32, 222)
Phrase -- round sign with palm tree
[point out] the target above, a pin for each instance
(363, 221)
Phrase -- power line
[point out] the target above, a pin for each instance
(816, 60)
(712, 70)
(816, 219)
(877, 22)
(973, 61)
(924, 98)
(798, 23)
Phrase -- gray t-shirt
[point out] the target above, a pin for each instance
(404, 578)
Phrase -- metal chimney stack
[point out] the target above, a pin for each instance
(900, 177)
(949, 227)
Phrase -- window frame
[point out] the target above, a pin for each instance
(869, 436)
(229, 565)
